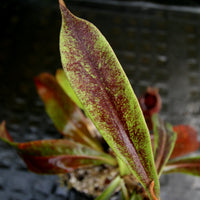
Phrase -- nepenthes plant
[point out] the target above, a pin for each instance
(106, 130)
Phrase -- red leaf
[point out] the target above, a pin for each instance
(186, 142)
(56, 156)
(58, 164)
(65, 114)
(190, 165)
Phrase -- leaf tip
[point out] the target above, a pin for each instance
(4, 133)
(62, 3)
(39, 81)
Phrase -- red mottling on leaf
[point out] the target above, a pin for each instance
(187, 141)
(105, 92)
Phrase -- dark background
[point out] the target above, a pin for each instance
(157, 45)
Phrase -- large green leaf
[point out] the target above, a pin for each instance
(67, 117)
(107, 97)
(56, 156)
(187, 165)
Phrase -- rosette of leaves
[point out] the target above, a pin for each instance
(94, 107)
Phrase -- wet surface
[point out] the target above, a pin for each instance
(157, 46)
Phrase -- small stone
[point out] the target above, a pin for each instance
(44, 186)
(61, 191)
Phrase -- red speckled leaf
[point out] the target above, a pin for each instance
(187, 141)
(164, 140)
(107, 97)
(65, 114)
(56, 156)
(190, 165)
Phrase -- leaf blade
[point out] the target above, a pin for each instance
(187, 165)
(56, 156)
(66, 116)
(64, 83)
(187, 140)
(106, 94)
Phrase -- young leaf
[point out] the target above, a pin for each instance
(124, 191)
(64, 83)
(164, 141)
(66, 116)
(101, 85)
(136, 197)
(187, 140)
(56, 156)
(123, 168)
(110, 189)
(190, 165)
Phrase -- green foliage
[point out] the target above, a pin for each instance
(102, 122)
(64, 83)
